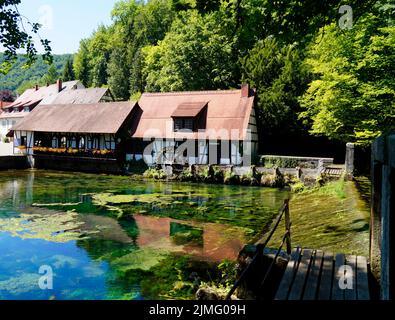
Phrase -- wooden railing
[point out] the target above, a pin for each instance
(262, 244)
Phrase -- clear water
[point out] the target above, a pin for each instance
(108, 237)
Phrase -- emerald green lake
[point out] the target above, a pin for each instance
(109, 237)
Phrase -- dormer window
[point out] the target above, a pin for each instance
(26, 109)
(16, 109)
(189, 116)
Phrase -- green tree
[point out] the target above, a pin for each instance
(99, 72)
(118, 80)
(13, 36)
(353, 95)
(138, 24)
(68, 71)
(194, 55)
(99, 50)
(280, 78)
(52, 75)
(81, 64)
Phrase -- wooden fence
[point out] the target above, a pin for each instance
(262, 244)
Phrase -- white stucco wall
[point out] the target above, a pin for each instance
(6, 149)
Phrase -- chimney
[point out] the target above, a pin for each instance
(36, 87)
(245, 90)
(59, 85)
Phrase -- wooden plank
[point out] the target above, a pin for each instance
(298, 286)
(289, 274)
(351, 294)
(337, 292)
(310, 292)
(325, 288)
(362, 279)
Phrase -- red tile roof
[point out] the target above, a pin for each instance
(226, 111)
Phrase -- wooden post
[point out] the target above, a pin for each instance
(350, 161)
(288, 226)
(298, 173)
(259, 251)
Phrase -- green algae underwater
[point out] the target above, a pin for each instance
(109, 237)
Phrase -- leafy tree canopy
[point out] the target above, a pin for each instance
(280, 77)
(353, 95)
(68, 71)
(14, 36)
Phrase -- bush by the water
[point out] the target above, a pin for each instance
(154, 173)
(216, 174)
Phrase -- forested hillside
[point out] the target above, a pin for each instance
(20, 76)
(312, 74)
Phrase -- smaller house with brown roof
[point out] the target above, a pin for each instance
(71, 92)
(76, 136)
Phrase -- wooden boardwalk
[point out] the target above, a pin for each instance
(315, 275)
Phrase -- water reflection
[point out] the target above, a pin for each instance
(167, 232)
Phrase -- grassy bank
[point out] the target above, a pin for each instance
(331, 218)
